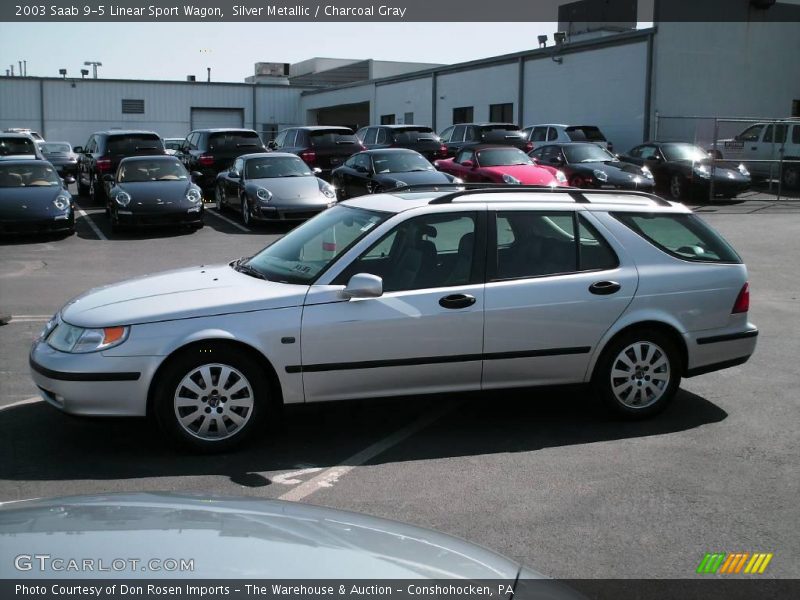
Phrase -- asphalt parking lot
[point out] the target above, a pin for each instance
(543, 476)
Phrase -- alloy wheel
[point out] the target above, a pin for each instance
(246, 211)
(676, 187)
(219, 197)
(640, 375)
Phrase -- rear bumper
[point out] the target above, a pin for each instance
(712, 351)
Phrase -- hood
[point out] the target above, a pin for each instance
(155, 192)
(618, 172)
(181, 294)
(236, 538)
(19, 202)
(527, 174)
(412, 178)
(287, 188)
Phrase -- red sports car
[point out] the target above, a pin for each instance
(499, 164)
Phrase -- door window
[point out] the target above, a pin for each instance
(445, 135)
(381, 139)
(458, 133)
(780, 133)
(371, 136)
(423, 252)
(539, 134)
(751, 134)
(280, 138)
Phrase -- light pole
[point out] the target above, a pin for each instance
(94, 64)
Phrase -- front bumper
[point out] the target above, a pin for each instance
(92, 384)
(38, 225)
(148, 218)
(286, 213)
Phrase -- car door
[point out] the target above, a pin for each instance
(469, 174)
(423, 334)
(550, 295)
(233, 184)
(358, 177)
(769, 148)
(84, 162)
(456, 140)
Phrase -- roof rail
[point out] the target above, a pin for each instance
(467, 189)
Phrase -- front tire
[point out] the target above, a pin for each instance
(219, 197)
(677, 187)
(246, 211)
(638, 374)
(211, 397)
(791, 177)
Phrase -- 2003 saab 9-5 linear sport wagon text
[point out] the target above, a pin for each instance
(408, 293)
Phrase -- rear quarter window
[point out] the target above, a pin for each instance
(680, 235)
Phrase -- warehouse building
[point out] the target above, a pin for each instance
(633, 83)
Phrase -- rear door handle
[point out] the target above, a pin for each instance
(604, 288)
(457, 301)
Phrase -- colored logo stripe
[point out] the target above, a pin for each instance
(711, 562)
(758, 563)
(732, 563)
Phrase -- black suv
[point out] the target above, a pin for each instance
(321, 147)
(211, 151)
(103, 152)
(414, 137)
(462, 135)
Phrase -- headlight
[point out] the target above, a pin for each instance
(743, 170)
(326, 188)
(123, 198)
(48, 327)
(601, 175)
(61, 202)
(264, 194)
(560, 177)
(702, 171)
(78, 340)
(194, 196)
(647, 172)
(399, 183)
(510, 179)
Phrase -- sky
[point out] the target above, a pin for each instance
(174, 50)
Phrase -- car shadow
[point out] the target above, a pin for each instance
(42, 444)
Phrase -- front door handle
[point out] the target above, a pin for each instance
(604, 288)
(457, 301)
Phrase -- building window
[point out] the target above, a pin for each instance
(501, 113)
(132, 107)
(387, 119)
(462, 114)
(408, 118)
(796, 108)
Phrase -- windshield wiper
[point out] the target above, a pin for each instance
(241, 266)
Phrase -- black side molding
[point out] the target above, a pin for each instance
(64, 376)
(728, 337)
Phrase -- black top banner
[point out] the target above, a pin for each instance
(622, 12)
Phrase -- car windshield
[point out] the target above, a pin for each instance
(577, 153)
(400, 162)
(683, 152)
(232, 140)
(56, 148)
(28, 175)
(151, 170)
(332, 137)
(278, 166)
(301, 255)
(16, 145)
(126, 145)
(411, 135)
(503, 157)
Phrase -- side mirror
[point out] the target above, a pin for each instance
(234, 174)
(363, 285)
(317, 170)
(196, 175)
(69, 179)
(108, 178)
(468, 164)
(78, 149)
(271, 145)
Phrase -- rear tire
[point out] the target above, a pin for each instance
(638, 373)
(211, 397)
(245, 211)
(677, 187)
(83, 190)
(791, 176)
(219, 197)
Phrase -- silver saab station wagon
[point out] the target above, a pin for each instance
(412, 293)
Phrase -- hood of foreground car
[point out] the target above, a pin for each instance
(287, 188)
(24, 202)
(618, 172)
(145, 193)
(412, 178)
(185, 293)
(527, 174)
(237, 538)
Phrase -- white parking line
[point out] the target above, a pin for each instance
(330, 476)
(216, 213)
(29, 318)
(94, 227)
(31, 400)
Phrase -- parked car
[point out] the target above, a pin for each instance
(273, 186)
(376, 171)
(587, 165)
(33, 198)
(153, 190)
(34, 134)
(173, 145)
(19, 146)
(210, 151)
(407, 294)
(500, 164)
(757, 143)
(61, 156)
(414, 137)
(538, 135)
(320, 147)
(683, 170)
(464, 135)
(104, 151)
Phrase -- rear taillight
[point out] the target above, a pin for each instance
(742, 304)
(528, 146)
(103, 164)
(363, 147)
(206, 160)
(443, 151)
(309, 156)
